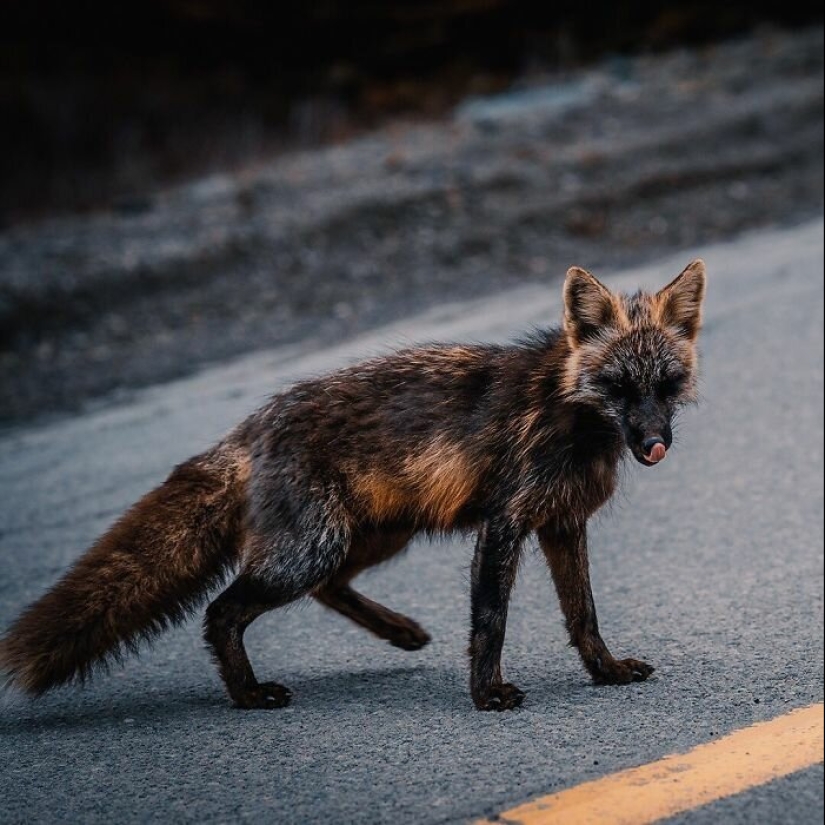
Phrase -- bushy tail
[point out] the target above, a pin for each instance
(148, 571)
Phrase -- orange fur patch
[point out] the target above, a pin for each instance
(244, 467)
(382, 496)
(431, 487)
(621, 321)
(444, 479)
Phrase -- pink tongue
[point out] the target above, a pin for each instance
(657, 453)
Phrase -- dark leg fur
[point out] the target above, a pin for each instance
(226, 621)
(494, 572)
(566, 553)
(398, 630)
(366, 551)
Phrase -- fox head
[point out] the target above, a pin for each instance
(633, 357)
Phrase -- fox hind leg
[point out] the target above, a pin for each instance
(276, 572)
(397, 629)
(367, 551)
(227, 618)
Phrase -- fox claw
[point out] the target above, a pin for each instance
(410, 637)
(621, 672)
(264, 696)
(503, 696)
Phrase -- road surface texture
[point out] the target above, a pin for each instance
(613, 165)
(710, 566)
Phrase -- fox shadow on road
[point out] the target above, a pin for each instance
(426, 689)
(405, 688)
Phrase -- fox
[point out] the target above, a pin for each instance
(338, 474)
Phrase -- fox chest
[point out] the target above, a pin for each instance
(571, 493)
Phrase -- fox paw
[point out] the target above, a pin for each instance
(409, 636)
(620, 671)
(502, 696)
(266, 695)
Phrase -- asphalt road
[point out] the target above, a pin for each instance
(709, 566)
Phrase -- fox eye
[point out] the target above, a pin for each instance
(670, 386)
(617, 389)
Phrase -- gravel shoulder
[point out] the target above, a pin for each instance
(605, 168)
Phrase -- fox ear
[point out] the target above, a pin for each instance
(680, 302)
(589, 306)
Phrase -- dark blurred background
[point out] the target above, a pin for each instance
(101, 102)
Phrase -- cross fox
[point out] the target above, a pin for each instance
(337, 474)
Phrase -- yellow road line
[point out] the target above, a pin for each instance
(730, 765)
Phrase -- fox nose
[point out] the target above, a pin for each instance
(654, 449)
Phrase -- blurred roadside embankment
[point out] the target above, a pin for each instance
(602, 166)
(101, 102)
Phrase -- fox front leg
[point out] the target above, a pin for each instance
(493, 573)
(566, 553)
